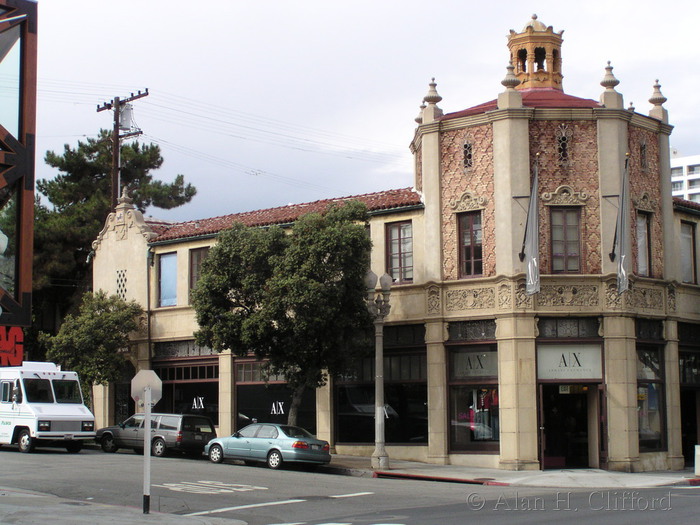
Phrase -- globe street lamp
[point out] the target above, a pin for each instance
(378, 306)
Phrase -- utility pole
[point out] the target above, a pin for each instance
(117, 104)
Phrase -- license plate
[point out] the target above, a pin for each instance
(197, 437)
(68, 436)
(315, 447)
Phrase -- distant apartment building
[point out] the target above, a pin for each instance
(685, 177)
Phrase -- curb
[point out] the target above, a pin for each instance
(420, 477)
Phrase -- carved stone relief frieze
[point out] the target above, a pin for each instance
(646, 298)
(523, 300)
(470, 299)
(568, 295)
(644, 203)
(613, 300)
(671, 297)
(505, 297)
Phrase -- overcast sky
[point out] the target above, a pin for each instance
(269, 102)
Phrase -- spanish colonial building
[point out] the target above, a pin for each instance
(577, 345)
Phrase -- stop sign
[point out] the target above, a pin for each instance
(144, 379)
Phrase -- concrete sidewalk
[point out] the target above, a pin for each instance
(562, 478)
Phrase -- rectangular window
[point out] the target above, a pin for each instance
(650, 399)
(399, 239)
(694, 169)
(471, 250)
(695, 183)
(643, 244)
(566, 247)
(468, 156)
(197, 257)
(167, 279)
(688, 265)
(677, 186)
(677, 172)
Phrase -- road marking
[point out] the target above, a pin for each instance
(354, 495)
(209, 487)
(242, 507)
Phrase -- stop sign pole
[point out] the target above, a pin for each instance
(146, 385)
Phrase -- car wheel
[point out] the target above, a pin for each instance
(108, 444)
(158, 448)
(216, 454)
(74, 447)
(274, 459)
(25, 441)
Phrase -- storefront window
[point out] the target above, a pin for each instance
(474, 405)
(650, 399)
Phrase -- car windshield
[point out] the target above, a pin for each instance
(296, 432)
(67, 391)
(38, 390)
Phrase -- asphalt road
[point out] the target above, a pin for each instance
(260, 496)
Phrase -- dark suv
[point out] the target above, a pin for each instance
(182, 432)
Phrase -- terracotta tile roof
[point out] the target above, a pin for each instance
(532, 98)
(678, 202)
(383, 200)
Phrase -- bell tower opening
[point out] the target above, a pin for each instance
(536, 53)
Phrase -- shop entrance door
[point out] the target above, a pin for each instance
(690, 410)
(564, 425)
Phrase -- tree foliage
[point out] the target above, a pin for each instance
(71, 209)
(90, 342)
(296, 300)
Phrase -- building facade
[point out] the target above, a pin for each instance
(478, 371)
(685, 177)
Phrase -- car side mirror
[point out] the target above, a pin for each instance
(236, 434)
(122, 425)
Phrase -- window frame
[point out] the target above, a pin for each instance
(659, 385)
(687, 250)
(565, 211)
(466, 253)
(643, 217)
(196, 257)
(167, 257)
(405, 267)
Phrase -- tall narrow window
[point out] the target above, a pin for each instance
(197, 257)
(566, 246)
(643, 161)
(399, 257)
(564, 136)
(468, 159)
(643, 244)
(471, 252)
(167, 279)
(650, 399)
(688, 264)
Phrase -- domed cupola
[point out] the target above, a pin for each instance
(536, 54)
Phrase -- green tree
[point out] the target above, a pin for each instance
(296, 300)
(71, 209)
(90, 342)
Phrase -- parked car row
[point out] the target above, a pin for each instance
(268, 443)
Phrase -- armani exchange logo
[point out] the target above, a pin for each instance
(570, 360)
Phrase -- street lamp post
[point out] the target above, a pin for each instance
(378, 306)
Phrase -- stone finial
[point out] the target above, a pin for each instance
(432, 97)
(510, 81)
(609, 81)
(125, 199)
(657, 97)
(631, 108)
(419, 118)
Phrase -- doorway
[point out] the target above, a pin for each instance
(566, 413)
(690, 412)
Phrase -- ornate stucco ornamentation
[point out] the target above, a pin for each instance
(646, 298)
(568, 295)
(671, 297)
(644, 203)
(505, 297)
(565, 196)
(468, 202)
(522, 299)
(470, 299)
(433, 299)
(613, 300)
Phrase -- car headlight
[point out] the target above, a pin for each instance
(87, 426)
(44, 426)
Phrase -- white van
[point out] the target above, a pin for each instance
(42, 405)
